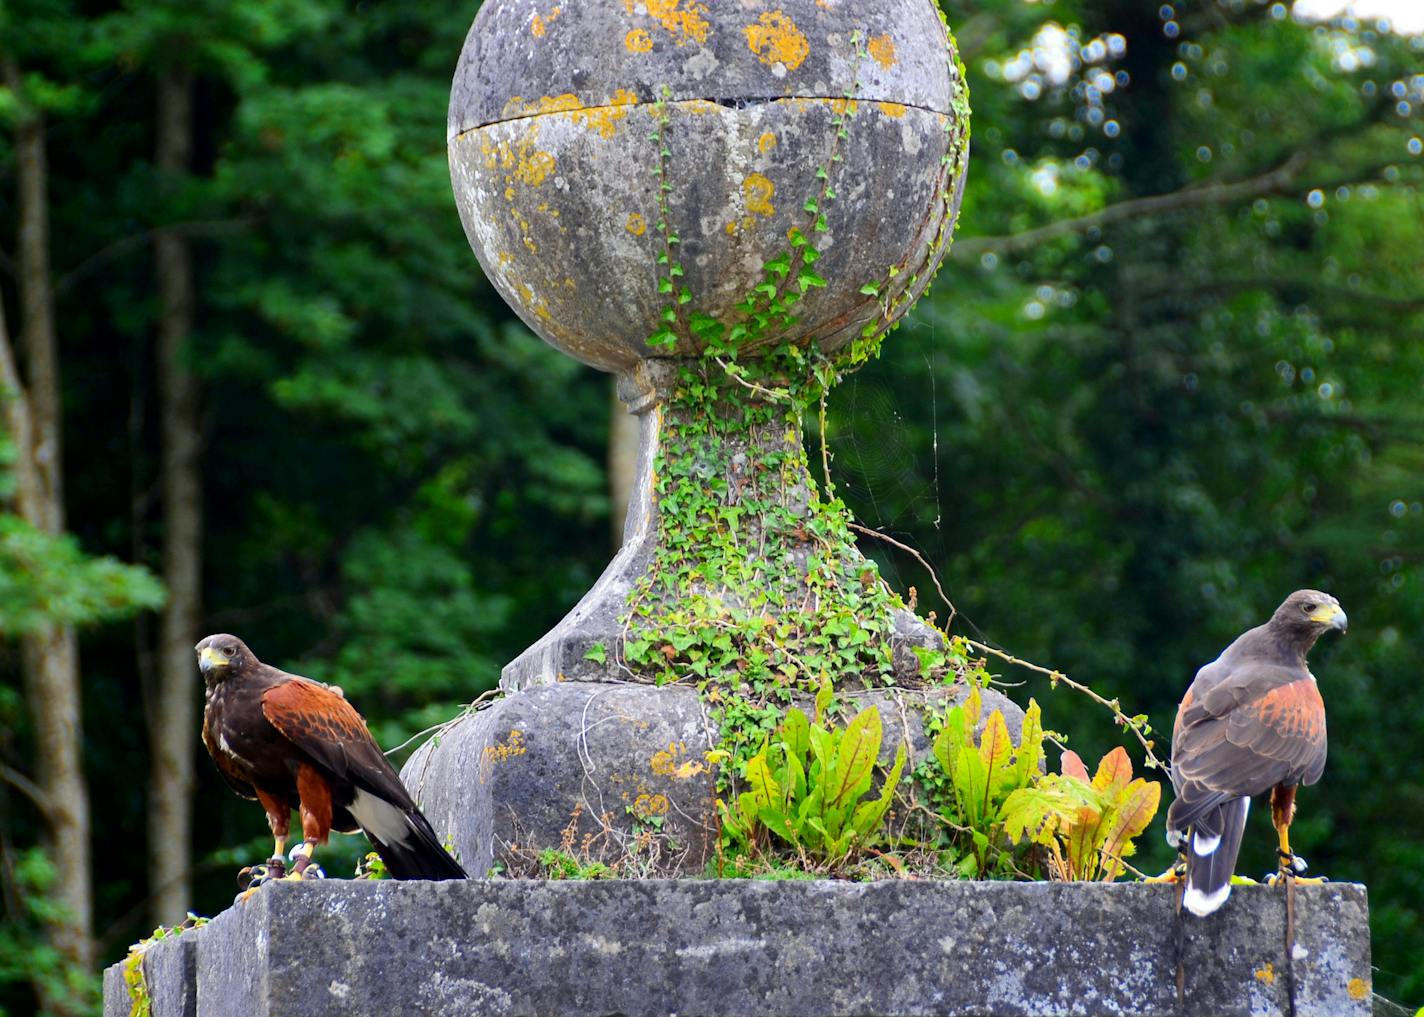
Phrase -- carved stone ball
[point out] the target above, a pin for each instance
(595, 144)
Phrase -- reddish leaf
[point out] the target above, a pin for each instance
(1114, 772)
(1072, 766)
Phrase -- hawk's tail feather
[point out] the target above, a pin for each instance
(1211, 848)
(419, 856)
(404, 839)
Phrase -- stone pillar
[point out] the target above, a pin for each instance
(728, 208)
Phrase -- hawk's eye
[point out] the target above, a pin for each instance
(1307, 607)
(229, 650)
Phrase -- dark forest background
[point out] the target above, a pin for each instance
(1173, 369)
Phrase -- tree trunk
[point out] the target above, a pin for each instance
(174, 714)
(50, 657)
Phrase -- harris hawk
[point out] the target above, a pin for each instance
(290, 741)
(1251, 722)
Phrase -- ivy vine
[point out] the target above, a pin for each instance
(757, 592)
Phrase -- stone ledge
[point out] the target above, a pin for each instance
(702, 948)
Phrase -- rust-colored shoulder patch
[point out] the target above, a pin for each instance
(1295, 710)
(302, 709)
(1181, 712)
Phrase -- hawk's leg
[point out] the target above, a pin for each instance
(315, 795)
(279, 818)
(1292, 865)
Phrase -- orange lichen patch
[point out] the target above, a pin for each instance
(520, 160)
(684, 19)
(841, 106)
(882, 48)
(757, 190)
(766, 142)
(775, 39)
(1266, 974)
(554, 103)
(534, 168)
(638, 41)
(666, 763)
(1358, 988)
(502, 751)
(505, 259)
(604, 119)
(645, 806)
(540, 25)
(891, 109)
(636, 224)
(698, 107)
(525, 233)
(518, 106)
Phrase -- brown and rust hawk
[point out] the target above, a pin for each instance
(1252, 721)
(288, 741)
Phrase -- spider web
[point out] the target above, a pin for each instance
(887, 469)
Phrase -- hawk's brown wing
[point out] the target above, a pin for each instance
(329, 731)
(325, 728)
(1260, 726)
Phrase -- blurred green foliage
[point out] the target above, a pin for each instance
(1120, 444)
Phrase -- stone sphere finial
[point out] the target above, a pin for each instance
(618, 160)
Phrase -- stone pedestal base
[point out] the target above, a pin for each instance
(702, 948)
(605, 772)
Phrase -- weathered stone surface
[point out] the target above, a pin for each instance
(170, 976)
(762, 949)
(569, 766)
(560, 766)
(562, 211)
(116, 997)
(517, 52)
(555, 144)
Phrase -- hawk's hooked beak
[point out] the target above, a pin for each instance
(209, 659)
(1332, 615)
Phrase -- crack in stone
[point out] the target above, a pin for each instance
(741, 102)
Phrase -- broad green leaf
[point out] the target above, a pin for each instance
(971, 784)
(825, 695)
(859, 746)
(1030, 752)
(779, 823)
(796, 729)
(868, 814)
(794, 784)
(950, 739)
(761, 782)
